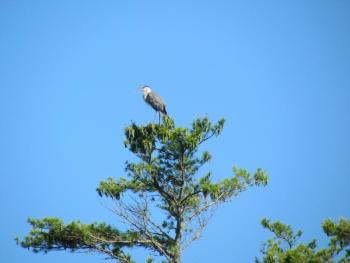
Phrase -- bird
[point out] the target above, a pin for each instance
(154, 100)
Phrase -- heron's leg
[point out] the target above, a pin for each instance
(155, 116)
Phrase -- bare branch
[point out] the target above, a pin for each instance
(136, 214)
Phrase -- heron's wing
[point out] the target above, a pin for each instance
(155, 101)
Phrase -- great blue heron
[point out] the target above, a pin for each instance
(154, 100)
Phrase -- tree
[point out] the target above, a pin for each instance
(283, 247)
(164, 179)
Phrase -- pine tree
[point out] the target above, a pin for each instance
(166, 178)
(285, 247)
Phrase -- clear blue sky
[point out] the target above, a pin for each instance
(278, 71)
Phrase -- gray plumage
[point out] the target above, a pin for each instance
(154, 100)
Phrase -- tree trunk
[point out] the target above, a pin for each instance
(177, 258)
(179, 228)
(177, 255)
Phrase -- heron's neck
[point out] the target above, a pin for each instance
(145, 94)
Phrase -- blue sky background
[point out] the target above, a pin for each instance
(278, 71)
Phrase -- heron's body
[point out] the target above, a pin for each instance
(154, 100)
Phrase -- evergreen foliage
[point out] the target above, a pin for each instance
(284, 246)
(166, 177)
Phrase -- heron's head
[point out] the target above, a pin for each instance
(145, 90)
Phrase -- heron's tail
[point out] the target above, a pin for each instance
(164, 111)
